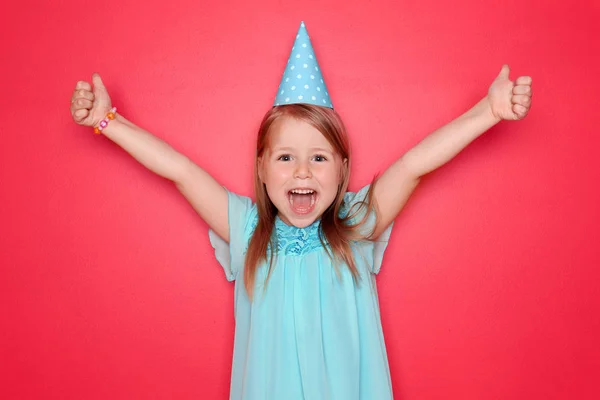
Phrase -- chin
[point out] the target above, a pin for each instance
(303, 222)
(299, 220)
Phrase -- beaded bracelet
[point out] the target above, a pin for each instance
(109, 116)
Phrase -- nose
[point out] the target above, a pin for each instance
(302, 171)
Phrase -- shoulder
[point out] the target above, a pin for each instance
(354, 200)
(242, 214)
(358, 196)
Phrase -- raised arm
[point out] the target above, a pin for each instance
(209, 199)
(505, 100)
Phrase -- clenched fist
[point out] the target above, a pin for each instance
(90, 102)
(510, 100)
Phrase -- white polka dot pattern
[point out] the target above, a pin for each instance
(302, 58)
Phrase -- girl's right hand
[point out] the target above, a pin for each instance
(89, 105)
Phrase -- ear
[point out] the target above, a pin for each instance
(259, 167)
(344, 169)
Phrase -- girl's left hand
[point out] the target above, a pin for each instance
(510, 100)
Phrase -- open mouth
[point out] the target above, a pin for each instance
(302, 201)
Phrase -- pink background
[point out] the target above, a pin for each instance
(109, 286)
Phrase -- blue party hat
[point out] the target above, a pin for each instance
(302, 80)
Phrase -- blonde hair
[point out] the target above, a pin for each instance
(335, 230)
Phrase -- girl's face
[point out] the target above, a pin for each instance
(301, 171)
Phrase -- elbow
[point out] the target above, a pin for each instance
(183, 172)
(412, 171)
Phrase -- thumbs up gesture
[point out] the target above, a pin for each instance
(510, 100)
(90, 102)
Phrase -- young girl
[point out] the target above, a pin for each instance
(305, 255)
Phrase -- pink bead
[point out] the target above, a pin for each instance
(103, 124)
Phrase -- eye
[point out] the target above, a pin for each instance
(284, 157)
(319, 158)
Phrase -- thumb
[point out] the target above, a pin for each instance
(504, 72)
(101, 98)
(97, 81)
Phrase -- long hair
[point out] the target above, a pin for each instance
(335, 229)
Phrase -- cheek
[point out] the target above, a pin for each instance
(275, 176)
(330, 178)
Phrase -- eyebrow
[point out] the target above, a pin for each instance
(312, 149)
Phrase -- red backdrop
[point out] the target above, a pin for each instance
(109, 286)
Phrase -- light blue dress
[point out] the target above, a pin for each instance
(309, 335)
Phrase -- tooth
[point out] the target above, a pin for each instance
(302, 191)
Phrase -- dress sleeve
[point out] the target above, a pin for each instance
(241, 215)
(372, 250)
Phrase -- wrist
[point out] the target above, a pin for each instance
(103, 124)
(487, 112)
(113, 125)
